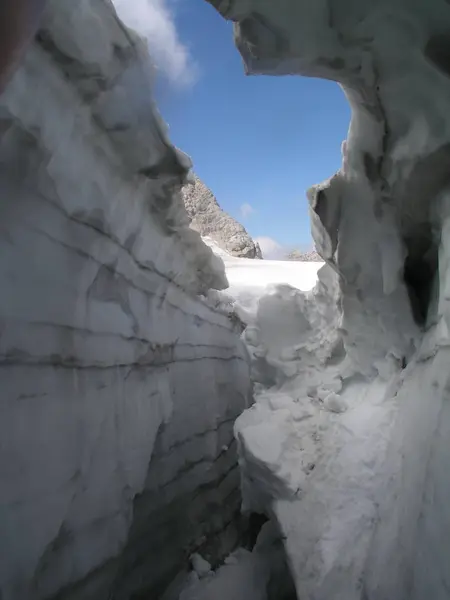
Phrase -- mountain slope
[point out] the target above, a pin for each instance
(210, 220)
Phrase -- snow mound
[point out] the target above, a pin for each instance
(295, 332)
(249, 280)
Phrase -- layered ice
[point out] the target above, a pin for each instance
(119, 384)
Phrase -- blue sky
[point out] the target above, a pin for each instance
(258, 142)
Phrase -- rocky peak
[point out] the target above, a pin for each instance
(307, 256)
(208, 218)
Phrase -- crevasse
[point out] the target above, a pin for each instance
(122, 375)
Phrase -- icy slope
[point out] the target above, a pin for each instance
(119, 385)
(371, 518)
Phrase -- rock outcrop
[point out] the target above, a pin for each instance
(307, 256)
(211, 221)
(120, 384)
(372, 519)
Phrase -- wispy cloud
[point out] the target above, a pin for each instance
(270, 248)
(246, 210)
(154, 20)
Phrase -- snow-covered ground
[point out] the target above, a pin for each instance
(347, 442)
(261, 574)
(275, 302)
(244, 273)
(310, 448)
(247, 273)
(249, 279)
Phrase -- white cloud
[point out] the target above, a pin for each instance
(154, 20)
(246, 210)
(270, 248)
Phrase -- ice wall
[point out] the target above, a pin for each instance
(375, 515)
(119, 384)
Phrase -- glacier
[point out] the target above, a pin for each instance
(154, 387)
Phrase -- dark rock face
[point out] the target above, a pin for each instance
(211, 221)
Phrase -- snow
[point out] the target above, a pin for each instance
(201, 566)
(314, 445)
(240, 578)
(257, 575)
(248, 279)
(274, 296)
(321, 448)
(289, 329)
(258, 274)
(245, 273)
